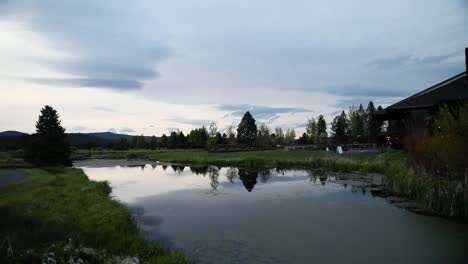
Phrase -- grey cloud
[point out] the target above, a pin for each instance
(108, 45)
(260, 112)
(171, 129)
(364, 90)
(408, 59)
(189, 121)
(114, 84)
(126, 130)
(75, 129)
(113, 130)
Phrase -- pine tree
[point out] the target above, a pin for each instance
(373, 125)
(340, 127)
(247, 130)
(153, 142)
(172, 140)
(164, 141)
(48, 146)
(181, 140)
(321, 127)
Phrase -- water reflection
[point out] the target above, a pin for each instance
(309, 211)
(213, 173)
(132, 182)
(248, 178)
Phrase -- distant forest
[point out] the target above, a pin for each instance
(357, 125)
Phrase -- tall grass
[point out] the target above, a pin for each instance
(59, 208)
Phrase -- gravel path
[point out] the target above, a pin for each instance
(9, 176)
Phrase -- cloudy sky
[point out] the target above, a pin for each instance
(153, 66)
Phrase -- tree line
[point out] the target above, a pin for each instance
(357, 126)
(48, 146)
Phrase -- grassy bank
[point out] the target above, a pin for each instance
(443, 197)
(59, 213)
(198, 156)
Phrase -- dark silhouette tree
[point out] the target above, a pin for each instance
(357, 120)
(247, 130)
(121, 144)
(48, 146)
(340, 127)
(172, 140)
(321, 126)
(303, 140)
(181, 140)
(140, 142)
(373, 125)
(164, 141)
(153, 142)
(248, 178)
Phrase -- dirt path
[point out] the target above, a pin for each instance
(9, 176)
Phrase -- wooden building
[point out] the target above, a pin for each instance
(412, 118)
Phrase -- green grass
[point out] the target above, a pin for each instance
(60, 210)
(197, 156)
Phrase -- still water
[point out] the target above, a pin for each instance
(233, 215)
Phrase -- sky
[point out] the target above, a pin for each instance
(150, 67)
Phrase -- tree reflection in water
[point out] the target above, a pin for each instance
(231, 174)
(199, 170)
(213, 173)
(248, 178)
(319, 174)
(264, 175)
(178, 168)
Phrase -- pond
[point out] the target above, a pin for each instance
(234, 215)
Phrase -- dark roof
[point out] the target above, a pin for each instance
(452, 89)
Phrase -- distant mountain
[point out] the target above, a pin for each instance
(14, 139)
(83, 140)
(11, 133)
(110, 136)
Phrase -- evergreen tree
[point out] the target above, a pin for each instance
(303, 140)
(225, 139)
(218, 139)
(121, 144)
(181, 140)
(321, 127)
(357, 122)
(140, 142)
(340, 127)
(48, 146)
(164, 141)
(247, 130)
(373, 125)
(172, 140)
(153, 142)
